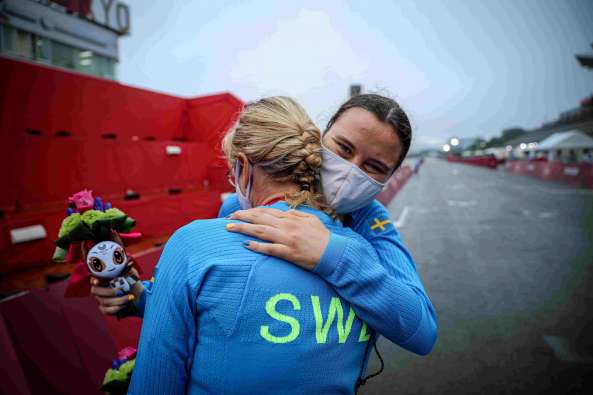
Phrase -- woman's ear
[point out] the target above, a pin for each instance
(244, 172)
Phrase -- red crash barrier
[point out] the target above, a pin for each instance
(52, 345)
(394, 184)
(576, 174)
(48, 100)
(47, 170)
(484, 161)
(157, 215)
(62, 132)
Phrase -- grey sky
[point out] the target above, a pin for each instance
(464, 68)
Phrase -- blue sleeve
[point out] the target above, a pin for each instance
(168, 336)
(140, 303)
(229, 206)
(378, 277)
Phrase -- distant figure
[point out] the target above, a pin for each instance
(418, 164)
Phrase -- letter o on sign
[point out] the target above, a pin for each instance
(122, 17)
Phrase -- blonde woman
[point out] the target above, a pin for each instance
(220, 318)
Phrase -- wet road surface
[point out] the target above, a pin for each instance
(507, 261)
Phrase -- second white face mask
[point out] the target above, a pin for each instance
(244, 201)
(345, 186)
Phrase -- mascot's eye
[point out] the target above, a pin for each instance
(118, 256)
(97, 264)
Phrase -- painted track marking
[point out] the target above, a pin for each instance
(401, 221)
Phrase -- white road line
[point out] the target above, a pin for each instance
(547, 214)
(14, 296)
(566, 350)
(461, 203)
(567, 191)
(402, 218)
(422, 210)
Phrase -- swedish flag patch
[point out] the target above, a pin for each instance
(379, 225)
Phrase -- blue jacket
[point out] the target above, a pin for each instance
(223, 319)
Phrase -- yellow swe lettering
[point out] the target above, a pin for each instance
(343, 333)
(322, 328)
(295, 327)
(364, 336)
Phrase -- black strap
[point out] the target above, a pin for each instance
(362, 381)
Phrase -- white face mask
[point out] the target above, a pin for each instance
(345, 186)
(243, 199)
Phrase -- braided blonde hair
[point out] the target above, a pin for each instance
(277, 135)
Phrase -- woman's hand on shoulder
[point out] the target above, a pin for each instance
(292, 235)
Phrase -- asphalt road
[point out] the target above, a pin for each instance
(507, 261)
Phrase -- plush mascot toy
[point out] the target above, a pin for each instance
(108, 260)
(91, 237)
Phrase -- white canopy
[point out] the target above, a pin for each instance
(569, 140)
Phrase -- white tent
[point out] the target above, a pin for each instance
(573, 139)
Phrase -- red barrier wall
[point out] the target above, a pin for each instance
(46, 168)
(394, 184)
(216, 114)
(41, 169)
(55, 345)
(579, 175)
(483, 161)
(49, 100)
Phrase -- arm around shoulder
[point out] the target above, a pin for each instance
(377, 276)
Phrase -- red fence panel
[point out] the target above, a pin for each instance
(576, 174)
(43, 169)
(484, 161)
(49, 99)
(13, 380)
(49, 333)
(394, 184)
(210, 117)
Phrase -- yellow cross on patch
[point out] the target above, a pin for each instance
(380, 224)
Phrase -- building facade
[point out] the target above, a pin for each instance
(79, 35)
